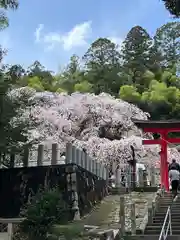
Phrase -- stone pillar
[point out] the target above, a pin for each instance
(72, 186)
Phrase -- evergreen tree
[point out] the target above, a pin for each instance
(167, 42)
(173, 6)
(136, 54)
(102, 61)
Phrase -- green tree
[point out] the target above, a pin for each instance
(12, 133)
(135, 55)
(83, 87)
(129, 93)
(102, 61)
(173, 6)
(16, 73)
(71, 75)
(5, 5)
(160, 100)
(45, 76)
(167, 41)
(35, 83)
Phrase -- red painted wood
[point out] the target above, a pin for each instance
(164, 164)
(159, 141)
(163, 141)
(161, 130)
(152, 141)
(173, 140)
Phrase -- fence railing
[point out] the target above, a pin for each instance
(167, 227)
(53, 156)
(81, 158)
(124, 177)
(8, 227)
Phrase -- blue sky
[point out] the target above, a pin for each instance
(51, 31)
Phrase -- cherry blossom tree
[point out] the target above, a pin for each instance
(100, 124)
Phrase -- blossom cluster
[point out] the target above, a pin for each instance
(101, 124)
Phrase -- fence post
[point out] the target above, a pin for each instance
(25, 159)
(93, 167)
(141, 178)
(40, 156)
(114, 166)
(12, 160)
(68, 153)
(75, 203)
(90, 163)
(86, 164)
(82, 159)
(101, 170)
(73, 159)
(54, 157)
(118, 177)
(153, 208)
(78, 157)
(10, 231)
(150, 216)
(153, 183)
(122, 217)
(97, 169)
(128, 178)
(133, 219)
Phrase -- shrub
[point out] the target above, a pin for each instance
(46, 209)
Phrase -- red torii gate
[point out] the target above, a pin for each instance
(162, 128)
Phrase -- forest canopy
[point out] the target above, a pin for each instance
(143, 72)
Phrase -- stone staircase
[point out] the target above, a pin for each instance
(153, 228)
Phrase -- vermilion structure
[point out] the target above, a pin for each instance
(163, 128)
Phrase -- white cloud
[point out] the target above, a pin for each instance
(77, 37)
(38, 32)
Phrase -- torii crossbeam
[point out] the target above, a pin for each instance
(163, 128)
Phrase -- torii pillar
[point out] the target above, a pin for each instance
(162, 128)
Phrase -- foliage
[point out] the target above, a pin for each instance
(83, 87)
(102, 61)
(144, 72)
(45, 209)
(173, 6)
(167, 41)
(5, 5)
(135, 55)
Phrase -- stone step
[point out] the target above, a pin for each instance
(174, 223)
(173, 209)
(157, 232)
(166, 205)
(163, 211)
(161, 220)
(157, 227)
(150, 237)
(160, 214)
(163, 214)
